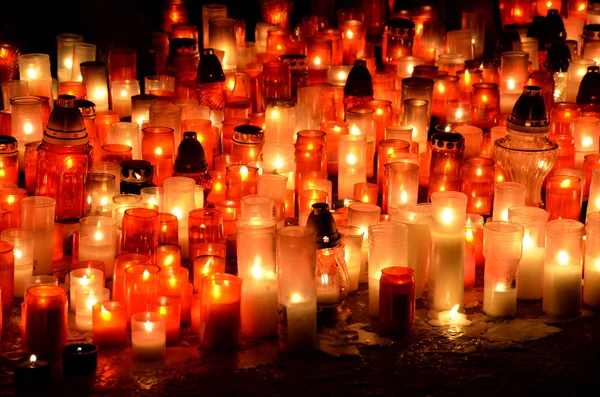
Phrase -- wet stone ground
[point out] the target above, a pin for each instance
(488, 358)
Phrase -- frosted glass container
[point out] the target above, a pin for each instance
(82, 52)
(507, 195)
(352, 163)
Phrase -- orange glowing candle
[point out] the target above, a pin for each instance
(109, 322)
(563, 197)
(366, 192)
(205, 265)
(240, 181)
(168, 255)
(141, 285)
(168, 229)
(231, 210)
(170, 308)
(310, 197)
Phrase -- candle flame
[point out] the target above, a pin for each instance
(453, 312)
(341, 76)
(346, 202)
(447, 216)
(18, 254)
(349, 34)
(365, 198)
(549, 4)
(527, 242)
(317, 61)
(500, 287)
(484, 98)
(148, 326)
(158, 151)
(379, 112)
(216, 291)
(11, 199)
(3, 53)
(296, 298)
(459, 114)
(587, 141)
(104, 311)
(162, 311)
(351, 159)
(324, 279)
(563, 258)
(479, 172)
(404, 197)
(581, 7)
(31, 73)
(441, 88)
(257, 272)
(354, 130)
(177, 212)
(511, 84)
(469, 236)
(146, 275)
(98, 236)
(84, 280)
(33, 359)
(565, 183)
(244, 172)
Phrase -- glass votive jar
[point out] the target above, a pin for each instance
(255, 207)
(366, 192)
(9, 159)
(396, 285)
(451, 62)
(205, 230)
(240, 181)
(116, 153)
(446, 159)
(122, 262)
(45, 328)
(415, 116)
(140, 108)
(86, 299)
(35, 69)
(109, 324)
(561, 115)
(352, 163)
(459, 42)
(158, 147)
(530, 280)
(507, 195)
(247, 142)
(81, 279)
(502, 249)
(142, 283)
(100, 190)
(485, 103)
(148, 336)
(562, 268)
(98, 241)
(563, 197)
(140, 232)
(169, 308)
(122, 63)
(75, 88)
(221, 296)
(168, 255)
(274, 186)
(402, 185)
(458, 112)
(22, 241)
(168, 228)
(121, 93)
(478, 184)
(26, 119)
(94, 76)
(159, 83)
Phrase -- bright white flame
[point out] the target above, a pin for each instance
(404, 197)
(100, 93)
(351, 159)
(177, 212)
(31, 73)
(500, 287)
(342, 76)
(257, 271)
(563, 258)
(349, 34)
(354, 130)
(68, 63)
(158, 151)
(317, 61)
(453, 312)
(148, 326)
(123, 93)
(447, 216)
(33, 359)
(511, 84)
(28, 128)
(18, 254)
(296, 298)
(587, 141)
(98, 236)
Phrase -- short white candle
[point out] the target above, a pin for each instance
(500, 302)
(86, 298)
(301, 323)
(328, 289)
(81, 279)
(148, 336)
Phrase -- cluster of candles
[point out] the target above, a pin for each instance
(195, 177)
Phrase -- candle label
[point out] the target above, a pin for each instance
(400, 307)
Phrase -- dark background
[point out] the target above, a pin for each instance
(33, 26)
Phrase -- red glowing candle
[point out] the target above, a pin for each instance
(561, 116)
(563, 197)
(231, 210)
(446, 159)
(277, 12)
(366, 192)
(140, 232)
(168, 255)
(240, 181)
(247, 142)
(104, 120)
(7, 275)
(10, 207)
(383, 118)
(468, 78)
(115, 153)
(158, 147)
(318, 51)
(485, 103)
(478, 184)
(333, 129)
(122, 262)
(9, 66)
(109, 324)
(353, 40)
(396, 300)
(205, 228)
(277, 39)
(205, 265)
(122, 64)
(142, 284)
(386, 149)
(307, 157)
(312, 138)
(310, 197)
(170, 308)
(220, 312)
(45, 316)
(473, 248)
(9, 167)
(168, 229)
(446, 90)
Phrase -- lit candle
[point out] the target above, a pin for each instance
(22, 241)
(507, 195)
(478, 184)
(109, 324)
(256, 266)
(83, 279)
(86, 299)
(97, 241)
(563, 197)
(220, 321)
(502, 249)
(562, 269)
(363, 216)
(169, 308)
(141, 285)
(148, 336)
(205, 265)
(168, 255)
(450, 317)
(446, 275)
(531, 266)
(206, 232)
(352, 167)
(32, 374)
(353, 40)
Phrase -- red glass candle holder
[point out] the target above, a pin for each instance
(10, 207)
(490, 73)
(566, 151)
(142, 283)
(247, 142)
(396, 300)
(446, 162)
(45, 328)
(383, 117)
(205, 227)
(169, 308)
(310, 197)
(158, 147)
(366, 192)
(478, 184)
(318, 55)
(115, 153)
(7, 274)
(240, 181)
(122, 63)
(75, 88)
(218, 191)
(205, 265)
(590, 162)
(446, 90)
(333, 129)
(307, 158)
(168, 229)
(104, 121)
(109, 324)
(122, 262)
(231, 210)
(563, 197)
(220, 314)
(236, 107)
(276, 81)
(485, 103)
(561, 115)
(175, 282)
(386, 149)
(467, 79)
(277, 12)
(140, 232)
(224, 160)
(168, 255)
(277, 40)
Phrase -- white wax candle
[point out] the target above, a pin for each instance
(301, 325)
(149, 343)
(591, 282)
(447, 282)
(562, 290)
(530, 278)
(86, 299)
(91, 248)
(328, 289)
(21, 272)
(42, 252)
(500, 302)
(353, 257)
(259, 308)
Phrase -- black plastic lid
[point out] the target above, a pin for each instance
(529, 113)
(555, 25)
(359, 81)
(559, 56)
(87, 108)
(209, 68)
(447, 140)
(321, 221)
(136, 171)
(8, 144)
(65, 125)
(589, 89)
(180, 43)
(191, 158)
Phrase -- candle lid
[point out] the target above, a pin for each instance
(191, 158)
(447, 141)
(359, 81)
(529, 113)
(182, 45)
(66, 126)
(136, 171)
(559, 55)
(209, 68)
(589, 88)
(555, 25)
(248, 134)
(321, 221)
(87, 108)
(8, 144)
(592, 32)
